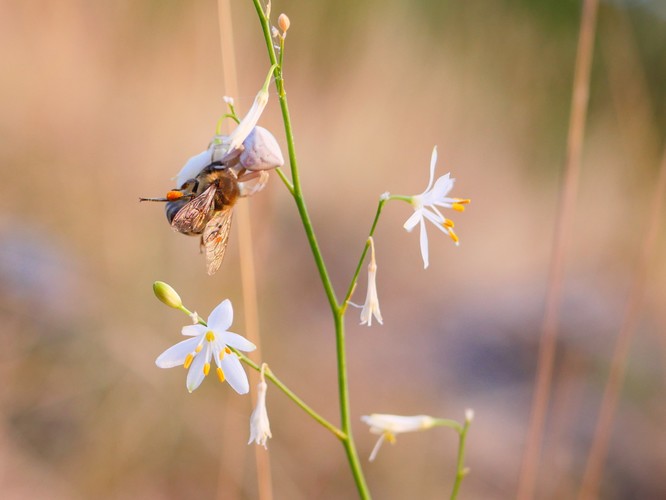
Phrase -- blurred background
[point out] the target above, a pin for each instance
(103, 102)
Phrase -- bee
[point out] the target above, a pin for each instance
(204, 206)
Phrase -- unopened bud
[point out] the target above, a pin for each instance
(283, 23)
(469, 415)
(167, 295)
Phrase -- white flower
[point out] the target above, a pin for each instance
(212, 341)
(387, 426)
(371, 306)
(425, 207)
(260, 427)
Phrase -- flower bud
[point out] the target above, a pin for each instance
(283, 22)
(167, 295)
(262, 151)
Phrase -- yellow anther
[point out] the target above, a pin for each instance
(453, 236)
(390, 437)
(210, 336)
(459, 207)
(227, 350)
(198, 349)
(463, 201)
(206, 368)
(448, 223)
(220, 374)
(188, 360)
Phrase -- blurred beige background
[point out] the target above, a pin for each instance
(102, 102)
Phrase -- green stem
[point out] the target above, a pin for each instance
(352, 284)
(338, 314)
(461, 470)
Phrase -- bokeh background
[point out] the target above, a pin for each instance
(102, 102)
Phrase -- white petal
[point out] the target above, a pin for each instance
(395, 424)
(196, 374)
(193, 330)
(175, 355)
(221, 317)
(234, 374)
(442, 187)
(433, 163)
(193, 166)
(261, 151)
(237, 341)
(375, 450)
(424, 245)
(413, 220)
(248, 122)
(437, 220)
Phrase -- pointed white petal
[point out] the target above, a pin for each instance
(175, 355)
(437, 220)
(193, 330)
(413, 220)
(433, 163)
(375, 450)
(261, 151)
(424, 245)
(196, 374)
(237, 341)
(442, 187)
(221, 317)
(234, 374)
(193, 166)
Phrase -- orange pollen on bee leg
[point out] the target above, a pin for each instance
(206, 368)
(188, 361)
(174, 195)
(220, 374)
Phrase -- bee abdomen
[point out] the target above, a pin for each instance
(173, 207)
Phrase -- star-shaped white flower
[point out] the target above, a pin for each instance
(387, 426)
(212, 341)
(425, 207)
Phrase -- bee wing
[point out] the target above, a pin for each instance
(216, 237)
(193, 216)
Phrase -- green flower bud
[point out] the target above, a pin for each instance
(167, 295)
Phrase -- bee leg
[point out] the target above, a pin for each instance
(252, 182)
(202, 247)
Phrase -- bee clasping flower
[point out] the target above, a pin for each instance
(425, 207)
(212, 341)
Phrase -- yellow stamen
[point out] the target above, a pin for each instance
(390, 437)
(458, 207)
(453, 236)
(463, 201)
(198, 349)
(448, 223)
(227, 350)
(206, 368)
(220, 374)
(188, 361)
(210, 336)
